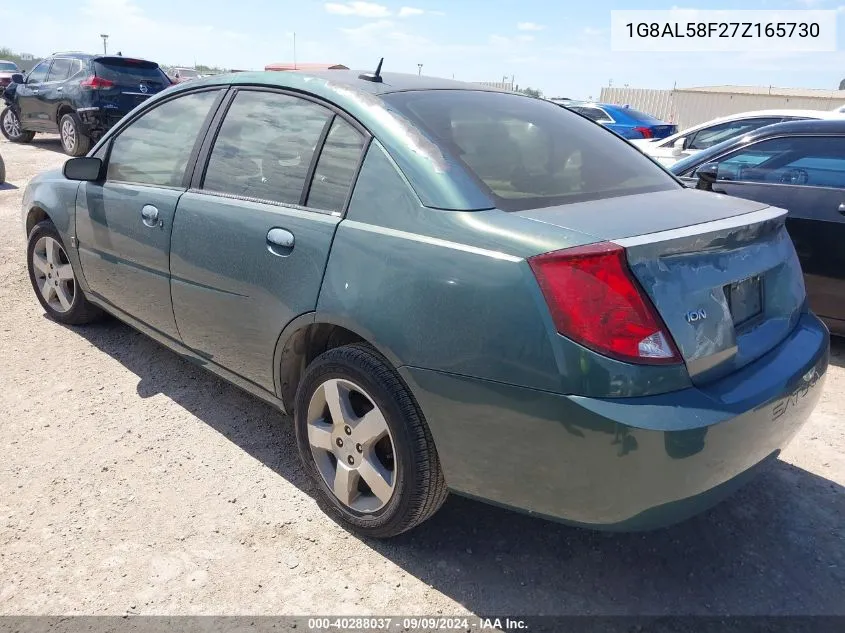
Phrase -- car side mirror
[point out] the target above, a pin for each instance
(678, 146)
(17, 78)
(707, 175)
(83, 168)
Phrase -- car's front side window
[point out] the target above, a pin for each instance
(155, 148)
(802, 160)
(264, 147)
(39, 73)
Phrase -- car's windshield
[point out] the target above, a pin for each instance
(529, 153)
(8, 66)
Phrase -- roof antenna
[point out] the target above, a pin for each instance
(374, 77)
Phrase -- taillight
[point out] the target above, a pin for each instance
(645, 131)
(595, 300)
(96, 83)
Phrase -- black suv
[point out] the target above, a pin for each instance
(79, 96)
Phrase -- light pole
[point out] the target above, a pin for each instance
(105, 39)
(419, 69)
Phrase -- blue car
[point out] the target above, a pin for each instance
(623, 120)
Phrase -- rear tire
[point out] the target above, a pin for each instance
(10, 126)
(74, 141)
(53, 279)
(365, 443)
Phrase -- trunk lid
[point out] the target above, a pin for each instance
(135, 81)
(662, 131)
(722, 272)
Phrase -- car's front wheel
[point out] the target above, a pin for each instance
(74, 141)
(53, 279)
(365, 443)
(12, 129)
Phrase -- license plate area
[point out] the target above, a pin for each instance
(745, 300)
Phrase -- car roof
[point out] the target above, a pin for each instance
(790, 128)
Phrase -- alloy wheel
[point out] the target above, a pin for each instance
(352, 445)
(11, 124)
(53, 274)
(68, 135)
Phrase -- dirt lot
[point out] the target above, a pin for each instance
(132, 481)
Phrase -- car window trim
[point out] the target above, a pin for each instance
(204, 156)
(192, 156)
(716, 159)
(312, 167)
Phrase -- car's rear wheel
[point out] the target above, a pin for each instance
(74, 141)
(12, 129)
(364, 441)
(53, 279)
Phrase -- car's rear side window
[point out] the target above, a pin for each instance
(335, 167)
(60, 70)
(155, 148)
(265, 146)
(529, 153)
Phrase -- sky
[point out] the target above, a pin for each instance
(558, 46)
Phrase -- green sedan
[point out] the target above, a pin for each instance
(448, 288)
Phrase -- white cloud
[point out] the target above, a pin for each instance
(530, 26)
(375, 34)
(406, 12)
(362, 9)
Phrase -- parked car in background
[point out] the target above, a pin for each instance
(799, 166)
(339, 245)
(7, 69)
(77, 95)
(706, 135)
(624, 120)
(180, 75)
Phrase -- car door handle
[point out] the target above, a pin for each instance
(149, 216)
(280, 242)
(842, 208)
(59, 89)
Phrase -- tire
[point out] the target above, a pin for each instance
(364, 379)
(64, 300)
(74, 141)
(10, 126)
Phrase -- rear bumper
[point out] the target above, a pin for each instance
(96, 121)
(628, 463)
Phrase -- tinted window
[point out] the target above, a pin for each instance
(799, 160)
(130, 71)
(155, 148)
(60, 70)
(335, 167)
(530, 153)
(265, 146)
(715, 134)
(594, 114)
(39, 73)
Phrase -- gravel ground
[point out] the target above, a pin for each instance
(133, 482)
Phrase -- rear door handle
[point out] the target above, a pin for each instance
(842, 208)
(59, 89)
(280, 241)
(149, 216)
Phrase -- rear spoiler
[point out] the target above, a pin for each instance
(114, 60)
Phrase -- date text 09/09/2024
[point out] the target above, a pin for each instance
(723, 29)
(422, 623)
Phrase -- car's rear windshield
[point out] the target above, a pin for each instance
(528, 153)
(123, 71)
(642, 116)
(8, 66)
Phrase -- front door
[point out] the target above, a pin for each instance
(33, 111)
(806, 176)
(250, 246)
(124, 223)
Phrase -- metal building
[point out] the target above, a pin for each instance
(689, 106)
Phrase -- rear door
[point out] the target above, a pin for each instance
(33, 112)
(251, 241)
(806, 176)
(52, 90)
(133, 82)
(124, 223)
